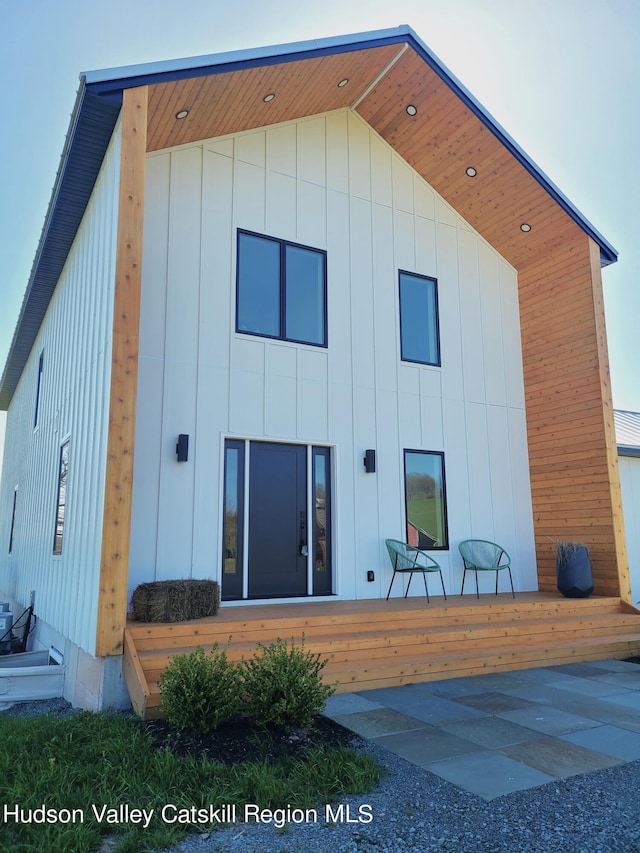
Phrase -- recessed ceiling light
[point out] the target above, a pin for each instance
(525, 227)
(343, 82)
(412, 110)
(269, 97)
(182, 114)
(471, 172)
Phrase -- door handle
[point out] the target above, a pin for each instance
(304, 550)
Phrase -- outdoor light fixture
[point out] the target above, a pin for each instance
(182, 114)
(269, 97)
(343, 82)
(525, 227)
(370, 461)
(412, 110)
(182, 448)
(471, 172)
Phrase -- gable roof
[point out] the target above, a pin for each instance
(385, 70)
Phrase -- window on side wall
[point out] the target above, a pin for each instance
(425, 499)
(419, 331)
(36, 412)
(281, 290)
(61, 505)
(13, 518)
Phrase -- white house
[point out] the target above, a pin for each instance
(628, 438)
(259, 267)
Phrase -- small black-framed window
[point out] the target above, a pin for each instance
(13, 518)
(322, 523)
(233, 521)
(61, 504)
(36, 411)
(425, 499)
(281, 289)
(419, 325)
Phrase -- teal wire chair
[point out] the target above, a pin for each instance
(480, 555)
(409, 559)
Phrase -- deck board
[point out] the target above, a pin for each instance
(374, 643)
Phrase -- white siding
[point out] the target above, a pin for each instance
(75, 338)
(331, 183)
(630, 485)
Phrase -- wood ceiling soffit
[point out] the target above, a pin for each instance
(443, 139)
(231, 102)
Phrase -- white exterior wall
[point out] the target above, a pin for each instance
(75, 337)
(329, 183)
(630, 486)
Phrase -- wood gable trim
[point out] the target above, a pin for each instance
(116, 525)
(572, 450)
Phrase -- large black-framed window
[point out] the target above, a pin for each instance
(419, 326)
(281, 289)
(425, 499)
(61, 504)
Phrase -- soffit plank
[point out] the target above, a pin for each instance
(231, 102)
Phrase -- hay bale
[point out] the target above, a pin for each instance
(175, 601)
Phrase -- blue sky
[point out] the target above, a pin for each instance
(561, 76)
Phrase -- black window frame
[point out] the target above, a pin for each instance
(36, 412)
(61, 498)
(445, 522)
(403, 357)
(232, 582)
(283, 245)
(322, 579)
(13, 519)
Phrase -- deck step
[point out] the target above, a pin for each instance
(381, 644)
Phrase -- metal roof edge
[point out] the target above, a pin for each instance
(627, 450)
(234, 57)
(70, 191)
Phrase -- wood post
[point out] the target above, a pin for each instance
(116, 524)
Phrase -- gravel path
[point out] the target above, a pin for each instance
(417, 812)
(414, 811)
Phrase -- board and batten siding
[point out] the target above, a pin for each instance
(331, 183)
(75, 338)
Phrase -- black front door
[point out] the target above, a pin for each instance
(278, 530)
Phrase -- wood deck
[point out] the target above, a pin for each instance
(375, 643)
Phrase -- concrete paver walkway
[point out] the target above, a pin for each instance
(498, 733)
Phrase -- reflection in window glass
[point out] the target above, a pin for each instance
(281, 290)
(62, 497)
(419, 319)
(233, 520)
(425, 499)
(322, 521)
(304, 295)
(258, 285)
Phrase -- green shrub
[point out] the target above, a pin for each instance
(283, 685)
(200, 691)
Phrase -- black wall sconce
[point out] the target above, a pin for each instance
(370, 461)
(182, 447)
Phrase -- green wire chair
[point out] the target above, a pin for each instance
(480, 555)
(407, 558)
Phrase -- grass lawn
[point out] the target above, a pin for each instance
(426, 514)
(88, 769)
